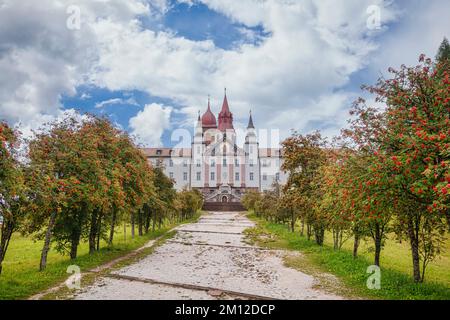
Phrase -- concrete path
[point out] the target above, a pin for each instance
(208, 260)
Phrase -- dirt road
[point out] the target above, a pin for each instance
(208, 260)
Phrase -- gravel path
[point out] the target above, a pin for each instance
(208, 260)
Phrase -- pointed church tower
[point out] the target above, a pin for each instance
(199, 128)
(251, 132)
(225, 116)
(208, 119)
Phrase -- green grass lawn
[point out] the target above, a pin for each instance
(21, 277)
(396, 256)
(396, 279)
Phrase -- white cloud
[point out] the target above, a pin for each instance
(313, 48)
(149, 124)
(41, 59)
(294, 78)
(110, 102)
(422, 30)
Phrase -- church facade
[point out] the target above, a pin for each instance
(216, 165)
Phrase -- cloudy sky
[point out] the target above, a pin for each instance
(149, 65)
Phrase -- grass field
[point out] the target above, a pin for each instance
(21, 277)
(396, 264)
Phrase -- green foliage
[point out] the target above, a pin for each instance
(352, 272)
(444, 51)
(13, 191)
(188, 203)
(83, 178)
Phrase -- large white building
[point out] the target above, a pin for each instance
(216, 165)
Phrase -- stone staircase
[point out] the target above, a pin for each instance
(223, 206)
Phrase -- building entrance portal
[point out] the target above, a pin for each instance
(224, 199)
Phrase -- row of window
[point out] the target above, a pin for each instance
(236, 176)
(213, 163)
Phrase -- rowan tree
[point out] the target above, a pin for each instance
(303, 156)
(413, 155)
(13, 197)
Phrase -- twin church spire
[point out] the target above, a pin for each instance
(208, 120)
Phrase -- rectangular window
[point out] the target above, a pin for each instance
(185, 176)
(264, 177)
(171, 163)
(199, 176)
(213, 163)
(277, 176)
(185, 163)
(250, 161)
(171, 175)
(199, 163)
(224, 162)
(252, 176)
(213, 176)
(236, 176)
(236, 162)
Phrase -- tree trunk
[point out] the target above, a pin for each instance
(48, 237)
(113, 225)
(308, 231)
(140, 223)
(132, 225)
(447, 214)
(154, 222)
(93, 232)
(356, 246)
(292, 221)
(7, 231)
(377, 251)
(319, 234)
(413, 227)
(336, 239)
(99, 232)
(75, 241)
(302, 232)
(147, 220)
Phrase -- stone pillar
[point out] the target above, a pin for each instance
(243, 174)
(206, 174)
(219, 173)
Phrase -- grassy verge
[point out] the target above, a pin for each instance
(21, 277)
(395, 284)
(64, 293)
